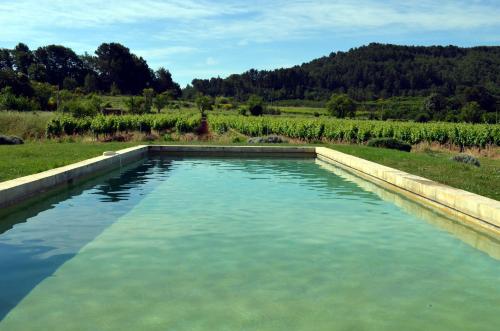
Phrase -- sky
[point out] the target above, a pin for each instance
(210, 38)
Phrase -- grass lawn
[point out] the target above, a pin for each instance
(30, 158)
(436, 166)
(22, 160)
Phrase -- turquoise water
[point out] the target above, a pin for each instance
(230, 244)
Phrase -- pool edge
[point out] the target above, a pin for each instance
(467, 207)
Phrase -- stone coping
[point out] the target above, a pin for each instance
(482, 209)
(458, 203)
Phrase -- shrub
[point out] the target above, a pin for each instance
(422, 118)
(467, 159)
(390, 143)
(242, 111)
(341, 105)
(10, 140)
(266, 140)
(255, 105)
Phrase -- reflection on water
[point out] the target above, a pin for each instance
(255, 244)
(38, 237)
(477, 239)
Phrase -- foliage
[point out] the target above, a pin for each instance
(9, 101)
(272, 139)
(204, 103)
(467, 159)
(148, 95)
(255, 105)
(389, 143)
(471, 112)
(341, 105)
(369, 73)
(360, 131)
(135, 105)
(162, 100)
(113, 124)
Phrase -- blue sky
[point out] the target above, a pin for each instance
(202, 39)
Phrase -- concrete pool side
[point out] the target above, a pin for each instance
(20, 189)
(470, 208)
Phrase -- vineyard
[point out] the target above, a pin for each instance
(359, 131)
(110, 125)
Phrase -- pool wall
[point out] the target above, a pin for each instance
(467, 207)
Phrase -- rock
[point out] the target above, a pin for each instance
(10, 140)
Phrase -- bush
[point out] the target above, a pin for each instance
(10, 140)
(267, 140)
(341, 105)
(255, 105)
(242, 111)
(467, 159)
(422, 118)
(390, 143)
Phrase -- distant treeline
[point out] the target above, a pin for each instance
(113, 69)
(369, 73)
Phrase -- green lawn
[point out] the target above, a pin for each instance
(22, 160)
(30, 158)
(436, 166)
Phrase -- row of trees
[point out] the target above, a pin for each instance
(113, 68)
(376, 71)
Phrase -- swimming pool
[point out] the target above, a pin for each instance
(199, 243)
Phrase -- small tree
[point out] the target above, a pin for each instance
(162, 100)
(204, 103)
(471, 112)
(255, 105)
(95, 104)
(135, 105)
(341, 105)
(114, 89)
(69, 83)
(148, 95)
(90, 83)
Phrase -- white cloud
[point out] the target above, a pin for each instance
(210, 61)
(154, 53)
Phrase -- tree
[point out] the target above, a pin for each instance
(23, 58)
(5, 59)
(69, 83)
(162, 100)
(90, 83)
(135, 105)
(255, 105)
(163, 82)
(471, 112)
(117, 65)
(204, 103)
(148, 95)
(59, 62)
(434, 103)
(341, 105)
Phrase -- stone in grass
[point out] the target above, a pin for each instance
(10, 140)
(390, 143)
(467, 159)
(267, 140)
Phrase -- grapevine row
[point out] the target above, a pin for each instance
(460, 134)
(109, 125)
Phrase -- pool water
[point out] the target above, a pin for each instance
(241, 244)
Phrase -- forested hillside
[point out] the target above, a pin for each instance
(112, 69)
(369, 73)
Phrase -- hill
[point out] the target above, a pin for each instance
(371, 72)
